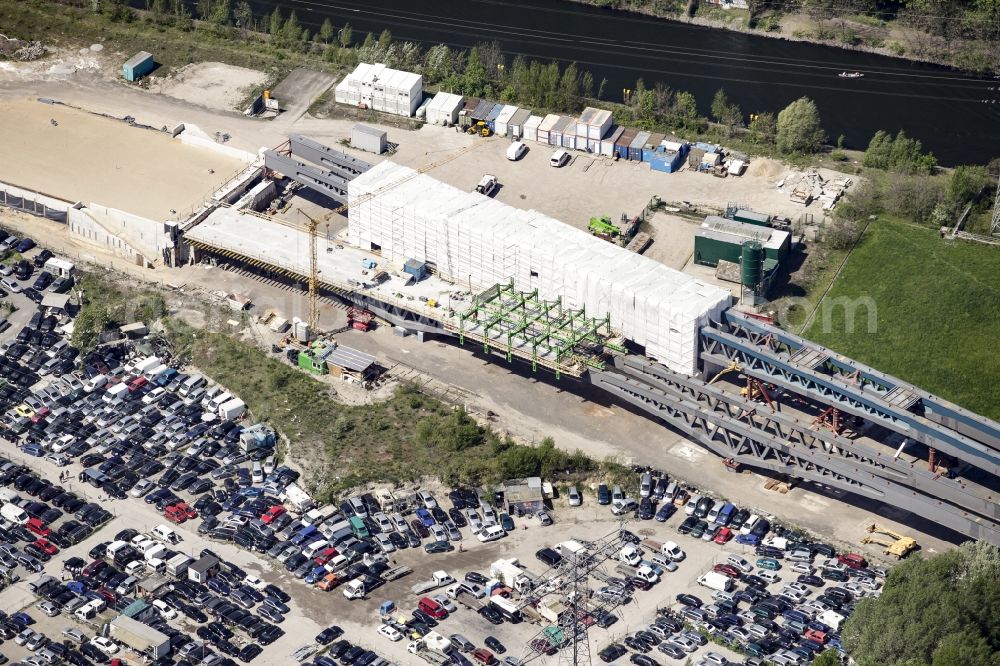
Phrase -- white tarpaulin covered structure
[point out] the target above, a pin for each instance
(476, 241)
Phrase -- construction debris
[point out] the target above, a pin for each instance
(804, 187)
(18, 49)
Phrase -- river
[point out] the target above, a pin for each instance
(955, 115)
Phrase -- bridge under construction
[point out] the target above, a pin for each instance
(756, 395)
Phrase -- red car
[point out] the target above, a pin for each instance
(189, 512)
(137, 383)
(852, 560)
(729, 570)
(95, 566)
(272, 513)
(175, 514)
(41, 415)
(432, 608)
(46, 546)
(38, 527)
(723, 535)
(325, 556)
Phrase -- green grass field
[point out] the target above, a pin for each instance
(937, 311)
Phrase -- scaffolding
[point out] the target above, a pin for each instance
(561, 338)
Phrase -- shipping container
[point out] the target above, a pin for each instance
(635, 148)
(545, 127)
(667, 162)
(515, 127)
(569, 140)
(482, 110)
(560, 130)
(600, 125)
(369, 139)
(503, 120)
(624, 141)
(652, 146)
(138, 66)
(583, 122)
(444, 109)
(531, 128)
(491, 117)
(608, 142)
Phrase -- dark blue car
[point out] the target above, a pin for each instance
(25, 245)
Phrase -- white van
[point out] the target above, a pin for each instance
(157, 371)
(14, 514)
(219, 400)
(116, 393)
(315, 547)
(191, 383)
(257, 476)
(95, 382)
(559, 158)
(156, 565)
(516, 150)
(164, 533)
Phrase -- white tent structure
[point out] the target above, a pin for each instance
(476, 241)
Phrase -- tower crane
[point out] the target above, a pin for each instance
(313, 226)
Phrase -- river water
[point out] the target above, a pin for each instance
(955, 115)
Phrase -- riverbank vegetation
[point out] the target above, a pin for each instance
(960, 33)
(939, 611)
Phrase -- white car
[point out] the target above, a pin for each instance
(75, 634)
(740, 563)
(386, 544)
(673, 551)
(166, 611)
(437, 533)
(559, 158)
(574, 496)
(427, 499)
(105, 645)
(491, 533)
(516, 151)
(802, 568)
(384, 524)
(447, 603)
(142, 488)
(692, 504)
(399, 523)
(255, 583)
(390, 632)
(619, 507)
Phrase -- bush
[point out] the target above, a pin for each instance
(799, 129)
(900, 153)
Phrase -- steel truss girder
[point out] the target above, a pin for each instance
(733, 439)
(722, 348)
(865, 458)
(979, 428)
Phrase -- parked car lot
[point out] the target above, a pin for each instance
(122, 471)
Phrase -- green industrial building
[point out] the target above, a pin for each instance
(721, 239)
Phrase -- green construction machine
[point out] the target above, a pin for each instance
(620, 233)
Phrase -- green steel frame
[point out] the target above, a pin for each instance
(503, 311)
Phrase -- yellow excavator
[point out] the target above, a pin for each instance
(480, 128)
(897, 545)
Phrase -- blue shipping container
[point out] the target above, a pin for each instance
(666, 162)
(635, 148)
(491, 118)
(138, 66)
(649, 153)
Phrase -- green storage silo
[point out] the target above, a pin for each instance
(752, 264)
